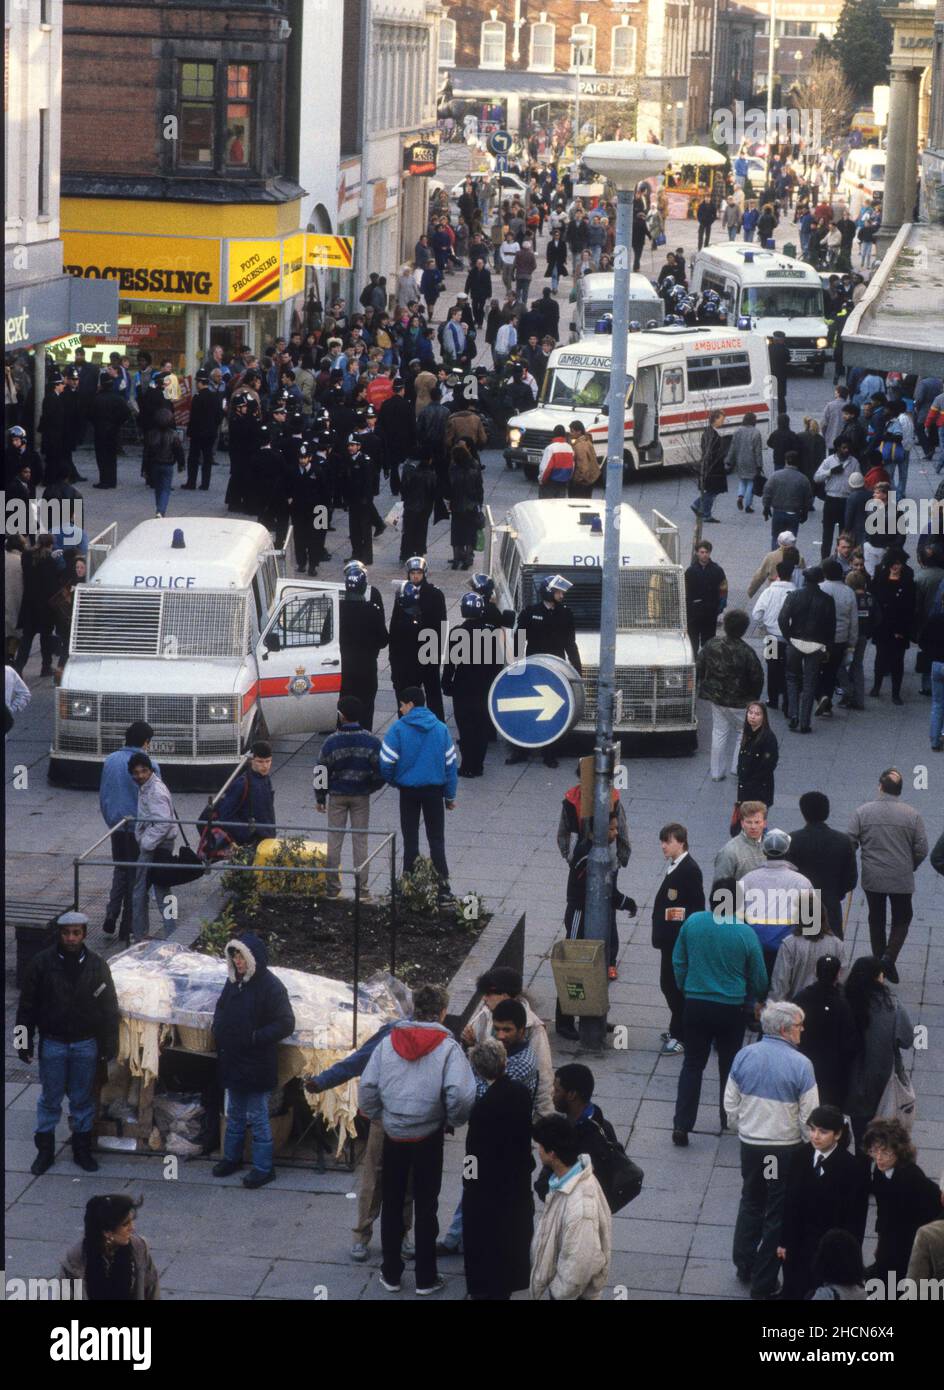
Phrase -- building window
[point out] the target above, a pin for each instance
(493, 44)
(542, 47)
(239, 109)
(42, 200)
(624, 49)
(583, 45)
(447, 43)
(196, 145)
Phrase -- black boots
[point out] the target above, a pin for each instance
(45, 1155)
(82, 1152)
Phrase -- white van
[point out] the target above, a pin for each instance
(766, 291)
(863, 179)
(676, 375)
(208, 642)
(655, 670)
(595, 298)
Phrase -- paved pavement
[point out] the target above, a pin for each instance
(291, 1239)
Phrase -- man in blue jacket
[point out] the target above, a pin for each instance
(418, 757)
(369, 1188)
(252, 1016)
(247, 811)
(118, 798)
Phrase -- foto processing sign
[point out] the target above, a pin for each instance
(254, 275)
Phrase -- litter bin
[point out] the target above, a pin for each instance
(580, 976)
(790, 250)
(35, 928)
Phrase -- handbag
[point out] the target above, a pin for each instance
(622, 1179)
(660, 239)
(898, 1098)
(172, 869)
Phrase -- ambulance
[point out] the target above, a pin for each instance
(863, 179)
(191, 624)
(595, 299)
(765, 292)
(655, 668)
(675, 376)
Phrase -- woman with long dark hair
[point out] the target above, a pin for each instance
(882, 1028)
(830, 1038)
(113, 1262)
(893, 597)
(757, 758)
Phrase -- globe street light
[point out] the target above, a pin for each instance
(624, 163)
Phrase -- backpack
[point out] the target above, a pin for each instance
(216, 843)
(893, 448)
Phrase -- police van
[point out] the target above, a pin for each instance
(767, 292)
(676, 375)
(190, 623)
(594, 300)
(655, 670)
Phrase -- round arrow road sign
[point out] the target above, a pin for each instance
(535, 702)
(499, 142)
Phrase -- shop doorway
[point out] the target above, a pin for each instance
(232, 335)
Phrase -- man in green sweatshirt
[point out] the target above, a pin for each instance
(719, 967)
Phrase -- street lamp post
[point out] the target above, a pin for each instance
(624, 163)
(771, 46)
(578, 46)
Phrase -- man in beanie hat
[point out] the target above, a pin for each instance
(786, 540)
(772, 898)
(69, 997)
(854, 517)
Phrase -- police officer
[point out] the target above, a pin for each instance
(359, 495)
(244, 426)
(266, 485)
(109, 412)
(484, 585)
(416, 627)
(19, 456)
(75, 420)
(373, 594)
(53, 427)
(363, 636)
(373, 446)
(206, 416)
(549, 630)
(472, 663)
(301, 490)
(396, 426)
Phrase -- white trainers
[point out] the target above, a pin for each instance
(439, 1285)
(671, 1048)
(359, 1252)
(391, 1288)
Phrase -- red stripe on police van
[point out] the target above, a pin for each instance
(280, 685)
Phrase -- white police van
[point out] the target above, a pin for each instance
(655, 669)
(767, 292)
(676, 376)
(206, 639)
(594, 299)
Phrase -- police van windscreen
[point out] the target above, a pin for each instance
(650, 599)
(783, 301)
(577, 388)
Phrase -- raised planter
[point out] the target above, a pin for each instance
(501, 943)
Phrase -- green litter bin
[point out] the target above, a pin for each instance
(790, 250)
(580, 976)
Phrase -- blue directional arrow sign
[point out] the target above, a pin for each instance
(499, 142)
(536, 701)
(501, 164)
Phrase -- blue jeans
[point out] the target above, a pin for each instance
(248, 1109)
(703, 504)
(732, 233)
(902, 479)
(748, 233)
(555, 280)
(783, 521)
(746, 490)
(937, 701)
(163, 476)
(66, 1069)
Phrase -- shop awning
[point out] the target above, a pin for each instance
(44, 310)
(540, 86)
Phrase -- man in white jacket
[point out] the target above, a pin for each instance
(570, 1253)
(154, 829)
(767, 612)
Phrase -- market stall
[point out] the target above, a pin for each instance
(690, 175)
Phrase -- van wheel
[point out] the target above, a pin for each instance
(689, 743)
(820, 370)
(629, 466)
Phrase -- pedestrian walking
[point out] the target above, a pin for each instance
(883, 1028)
(556, 469)
(785, 549)
(779, 356)
(496, 1195)
(777, 897)
(745, 458)
(252, 1016)
(744, 851)
(892, 842)
(110, 412)
(706, 215)
(787, 498)
(118, 802)
(417, 756)
(800, 952)
(757, 759)
(467, 496)
(718, 969)
(112, 1263)
(808, 623)
(587, 467)
(830, 1038)
(68, 997)
(826, 856)
(769, 1097)
(893, 599)
(203, 426)
(712, 477)
(706, 596)
(766, 612)
(834, 473)
(570, 1255)
(680, 893)
(827, 1190)
(906, 1198)
(729, 676)
(155, 830)
(417, 1081)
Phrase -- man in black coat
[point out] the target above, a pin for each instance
(549, 629)
(779, 355)
(359, 496)
(109, 412)
(252, 1016)
(396, 426)
(303, 495)
(418, 486)
(245, 422)
(548, 311)
(69, 998)
(206, 416)
(471, 666)
(75, 421)
(363, 635)
(827, 1189)
(827, 857)
(680, 893)
(706, 595)
(53, 427)
(417, 625)
(808, 616)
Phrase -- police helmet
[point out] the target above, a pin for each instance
(355, 581)
(417, 562)
(16, 432)
(652, 323)
(668, 284)
(635, 326)
(472, 606)
(679, 293)
(70, 373)
(482, 584)
(202, 375)
(554, 583)
(354, 567)
(353, 439)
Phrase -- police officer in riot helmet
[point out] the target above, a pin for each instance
(484, 585)
(373, 594)
(416, 627)
(473, 659)
(549, 629)
(363, 636)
